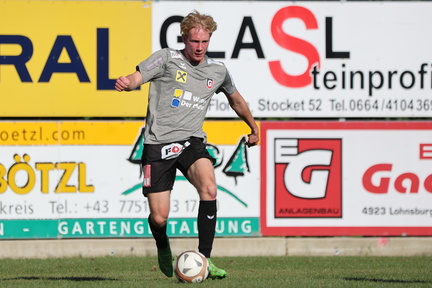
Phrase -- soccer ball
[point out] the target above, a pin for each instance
(192, 267)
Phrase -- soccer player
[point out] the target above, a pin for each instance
(182, 84)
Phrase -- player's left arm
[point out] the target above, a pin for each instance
(239, 105)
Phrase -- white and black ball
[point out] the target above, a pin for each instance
(191, 267)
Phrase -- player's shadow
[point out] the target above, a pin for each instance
(364, 279)
(78, 279)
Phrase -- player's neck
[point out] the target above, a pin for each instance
(193, 63)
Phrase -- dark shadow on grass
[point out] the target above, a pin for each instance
(78, 279)
(361, 279)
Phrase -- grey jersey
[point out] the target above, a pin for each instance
(179, 94)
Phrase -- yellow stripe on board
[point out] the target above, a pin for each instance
(103, 132)
(225, 132)
(69, 133)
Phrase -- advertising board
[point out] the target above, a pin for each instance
(320, 59)
(346, 178)
(61, 179)
(61, 58)
(316, 58)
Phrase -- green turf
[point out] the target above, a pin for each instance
(264, 272)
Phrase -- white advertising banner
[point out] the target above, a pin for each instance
(316, 59)
(346, 178)
(83, 179)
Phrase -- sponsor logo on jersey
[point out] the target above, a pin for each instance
(212, 61)
(187, 100)
(176, 55)
(210, 83)
(176, 101)
(181, 98)
(181, 76)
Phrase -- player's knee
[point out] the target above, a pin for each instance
(209, 192)
(159, 220)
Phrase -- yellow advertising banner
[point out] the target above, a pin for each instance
(61, 58)
(46, 133)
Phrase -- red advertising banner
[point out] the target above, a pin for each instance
(346, 178)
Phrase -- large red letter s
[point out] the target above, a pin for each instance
(293, 44)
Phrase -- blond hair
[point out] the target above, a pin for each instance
(199, 21)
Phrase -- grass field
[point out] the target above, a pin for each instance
(266, 272)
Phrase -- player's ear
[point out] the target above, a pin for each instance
(184, 37)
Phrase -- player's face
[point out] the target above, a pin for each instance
(196, 44)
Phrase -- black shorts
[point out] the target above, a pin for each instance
(160, 161)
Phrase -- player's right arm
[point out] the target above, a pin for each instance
(129, 83)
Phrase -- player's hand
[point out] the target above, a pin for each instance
(122, 83)
(252, 140)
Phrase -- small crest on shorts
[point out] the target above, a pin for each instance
(173, 150)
